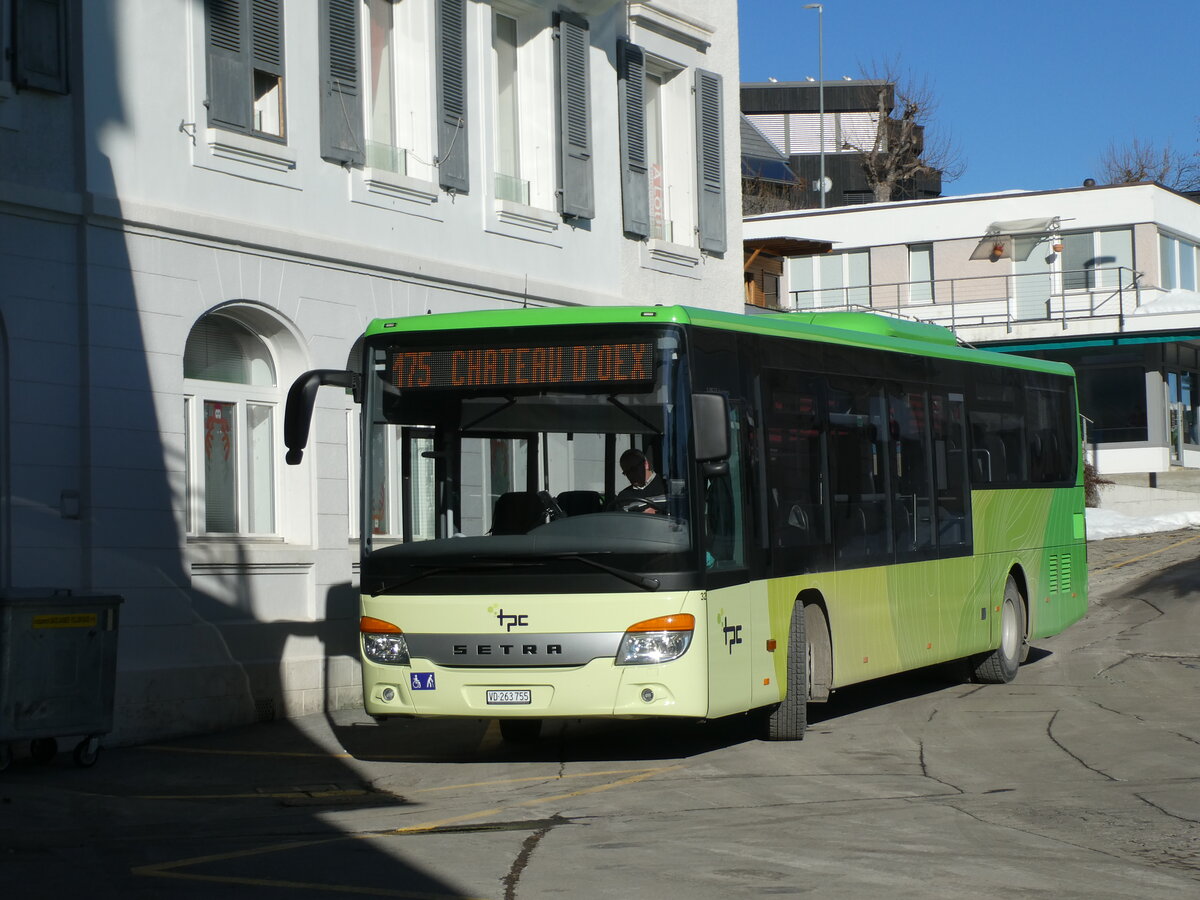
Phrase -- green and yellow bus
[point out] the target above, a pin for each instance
(836, 497)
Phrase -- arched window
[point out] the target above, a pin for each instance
(231, 407)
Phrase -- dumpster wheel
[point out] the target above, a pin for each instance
(86, 752)
(43, 750)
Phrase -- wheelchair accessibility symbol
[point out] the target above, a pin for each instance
(422, 681)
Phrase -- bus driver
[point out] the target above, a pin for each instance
(646, 492)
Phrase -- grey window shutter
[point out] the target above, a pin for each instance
(710, 163)
(266, 36)
(635, 180)
(227, 58)
(342, 138)
(452, 95)
(576, 193)
(39, 45)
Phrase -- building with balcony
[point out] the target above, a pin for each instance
(201, 199)
(1104, 278)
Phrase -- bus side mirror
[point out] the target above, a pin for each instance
(710, 427)
(297, 416)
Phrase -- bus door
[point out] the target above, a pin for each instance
(913, 583)
(402, 506)
(727, 506)
(952, 519)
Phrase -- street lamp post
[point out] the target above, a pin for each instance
(820, 85)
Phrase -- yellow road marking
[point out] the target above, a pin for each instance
(171, 869)
(255, 795)
(302, 885)
(1148, 555)
(528, 778)
(213, 751)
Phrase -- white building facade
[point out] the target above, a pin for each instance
(201, 199)
(1104, 278)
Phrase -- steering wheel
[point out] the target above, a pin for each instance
(641, 504)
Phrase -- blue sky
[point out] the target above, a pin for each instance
(1031, 91)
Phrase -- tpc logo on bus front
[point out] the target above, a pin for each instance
(510, 620)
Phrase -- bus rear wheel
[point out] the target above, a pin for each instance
(1000, 665)
(520, 731)
(788, 720)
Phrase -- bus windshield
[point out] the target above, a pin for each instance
(510, 456)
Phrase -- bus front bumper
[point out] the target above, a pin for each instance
(598, 689)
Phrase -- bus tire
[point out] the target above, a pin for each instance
(788, 720)
(1000, 665)
(520, 731)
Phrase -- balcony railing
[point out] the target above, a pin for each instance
(993, 300)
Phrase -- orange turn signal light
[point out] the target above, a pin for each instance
(371, 625)
(677, 622)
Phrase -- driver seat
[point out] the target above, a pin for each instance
(516, 512)
(580, 503)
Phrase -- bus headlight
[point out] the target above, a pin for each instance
(656, 640)
(383, 642)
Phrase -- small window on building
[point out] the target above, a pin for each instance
(1177, 263)
(831, 280)
(37, 52)
(523, 140)
(244, 50)
(397, 52)
(231, 407)
(1096, 259)
(920, 273)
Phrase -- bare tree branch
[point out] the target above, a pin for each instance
(1143, 161)
(905, 149)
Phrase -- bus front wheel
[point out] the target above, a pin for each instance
(1000, 665)
(788, 720)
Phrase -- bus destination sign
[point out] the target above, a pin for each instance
(523, 366)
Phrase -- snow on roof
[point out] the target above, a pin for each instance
(1175, 301)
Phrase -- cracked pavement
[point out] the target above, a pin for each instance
(1081, 779)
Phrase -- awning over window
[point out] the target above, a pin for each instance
(780, 247)
(786, 246)
(1015, 238)
(1024, 226)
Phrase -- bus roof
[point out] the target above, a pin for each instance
(855, 329)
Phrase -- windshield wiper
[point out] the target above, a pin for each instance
(643, 581)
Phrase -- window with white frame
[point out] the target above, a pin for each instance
(523, 136)
(670, 151)
(920, 273)
(831, 279)
(231, 402)
(1096, 259)
(244, 53)
(1177, 262)
(397, 47)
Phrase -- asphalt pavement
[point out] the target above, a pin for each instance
(1079, 780)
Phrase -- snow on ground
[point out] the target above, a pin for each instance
(1104, 523)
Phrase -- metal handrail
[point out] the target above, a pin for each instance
(973, 300)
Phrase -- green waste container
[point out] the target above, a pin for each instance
(58, 659)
